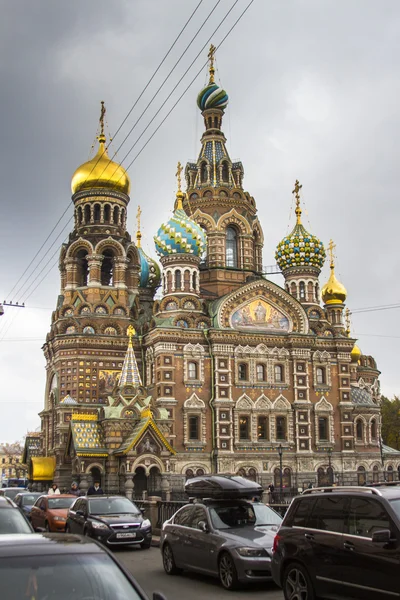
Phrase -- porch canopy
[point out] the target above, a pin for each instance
(43, 468)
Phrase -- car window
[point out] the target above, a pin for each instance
(265, 515)
(12, 521)
(299, 514)
(12, 493)
(184, 516)
(42, 503)
(200, 514)
(57, 503)
(27, 500)
(395, 504)
(328, 513)
(112, 506)
(232, 516)
(78, 505)
(366, 516)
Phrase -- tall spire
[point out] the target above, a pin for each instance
(297, 188)
(130, 372)
(211, 67)
(138, 232)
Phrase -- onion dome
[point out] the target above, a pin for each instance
(355, 354)
(212, 96)
(68, 401)
(149, 270)
(333, 291)
(101, 172)
(300, 248)
(180, 234)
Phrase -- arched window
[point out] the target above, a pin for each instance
(194, 429)
(302, 290)
(231, 247)
(281, 428)
(107, 213)
(189, 473)
(87, 214)
(278, 372)
(373, 429)
(107, 268)
(242, 372)
(359, 430)
(82, 268)
(194, 280)
(287, 478)
(115, 215)
(193, 370)
(323, 429)
(225, 172)
(80, 215)
(203, 173)
(178, 280)
(361, 476)
(320, 373)
(262, 428)
(122, 217)
(96, 213)
(322, 477)
(260, 372)
(252, 475)
(390, 474)
(244, 427)
(375, 474)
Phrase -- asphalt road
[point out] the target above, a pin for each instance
(146, 567)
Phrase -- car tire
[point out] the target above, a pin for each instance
(227, 572)
(145, 545)
(296, 583)
(169, 562)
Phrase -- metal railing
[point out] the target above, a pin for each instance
(165, 510)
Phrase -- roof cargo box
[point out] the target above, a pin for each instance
(220, 487)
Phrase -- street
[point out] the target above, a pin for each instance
(146, 567)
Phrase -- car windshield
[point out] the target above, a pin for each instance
(29, 499)
(112, 506)
(395, 504)
(65, 577)
(232, 516)
(12, 493)
(12, 521)
(55, 503)
(266, 516)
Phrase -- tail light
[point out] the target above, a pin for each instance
(277, 539)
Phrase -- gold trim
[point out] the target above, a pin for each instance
(79, 417)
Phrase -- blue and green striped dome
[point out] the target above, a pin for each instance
(180, 235)
(149, 271)
(212, 96)
(300, 249)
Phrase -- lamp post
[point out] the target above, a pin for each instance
(280, 452)
(330, 466)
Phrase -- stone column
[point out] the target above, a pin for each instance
(71, 268)
(120, 265)
(129, 486)
(94, 263)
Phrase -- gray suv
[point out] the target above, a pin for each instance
(230, 539)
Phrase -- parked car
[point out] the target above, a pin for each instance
(65, 567)
(229, 538)
(25, 501)
(11, 519)
(340, 542)
(11, 492)
(49, 513)
(110, 519)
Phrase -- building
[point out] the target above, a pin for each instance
(11, 461)
(227, 372)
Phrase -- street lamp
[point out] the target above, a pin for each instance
(280, 452)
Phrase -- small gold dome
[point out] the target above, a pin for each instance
(333, 291)
(101, 172)
(355, 354)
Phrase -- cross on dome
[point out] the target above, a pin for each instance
(297, 188)
(211, 69)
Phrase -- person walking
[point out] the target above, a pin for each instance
(95, 490)
(271, 489)
(74, 491)
(54, 490)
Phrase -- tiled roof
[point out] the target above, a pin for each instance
(88, 438)
(361, 397)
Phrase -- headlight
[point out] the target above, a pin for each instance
(62, 519)
(98, 525)
(145, 523)
(252, 552)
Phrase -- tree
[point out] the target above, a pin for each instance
(391, 422)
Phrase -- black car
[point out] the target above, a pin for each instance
(11, 492)
(11, 519)
(340, 542)
(63, 567)
(110, 519)
(25, 500)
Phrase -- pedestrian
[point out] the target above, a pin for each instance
(95, 490)
(74, 491)
(271, 489)
(54, 490)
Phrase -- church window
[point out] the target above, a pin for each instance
(115, 215)
(82, 268)
(278, 373)
(281, 428)
(244, 427)
(87, 214)
(231, 247)
(260, 373)
(194, 280)
(203, 173)
(189, 473)
(225, 172)
(323, 429)
(178, 280)
(107, 268)
(122, 217)
(359, 430)
(242, 372)
(320, 373)
(107, 213)
(194, 428)
(302, 290)
(96, 213)
(262, 428)
(361, 477)
(375, 474)
(193, 370)
(389, 473)
(373, 430)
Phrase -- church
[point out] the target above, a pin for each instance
(198, 363)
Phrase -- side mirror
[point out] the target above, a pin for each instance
(203, 526)
(80, 513)
(159, 596)
(381, 537)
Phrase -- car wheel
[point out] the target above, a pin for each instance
(145, 545)
(227, 572)
(297, 583)
(168, 561)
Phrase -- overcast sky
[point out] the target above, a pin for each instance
(314, 94)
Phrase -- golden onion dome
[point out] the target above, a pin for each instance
(355, 354)
(101, 172)
(333, 291)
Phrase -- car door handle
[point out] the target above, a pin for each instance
(309, 536)
(348, 546)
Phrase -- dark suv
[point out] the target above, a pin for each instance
(340, 542)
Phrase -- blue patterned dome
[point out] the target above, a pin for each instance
(212, 96)
(149, 271)
(180, 235)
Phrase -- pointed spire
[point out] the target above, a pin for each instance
(138, 232)
(130, 372)
(211, 69)
(179, 194)
(297, 188)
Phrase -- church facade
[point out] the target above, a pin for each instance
(221, 371)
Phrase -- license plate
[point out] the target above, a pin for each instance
(125, 535)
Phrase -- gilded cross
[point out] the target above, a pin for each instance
(178, 175)
(211, 59)
(102, 115)
(331, 248)
(296, 192)
(138, 233)
(130, 332)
